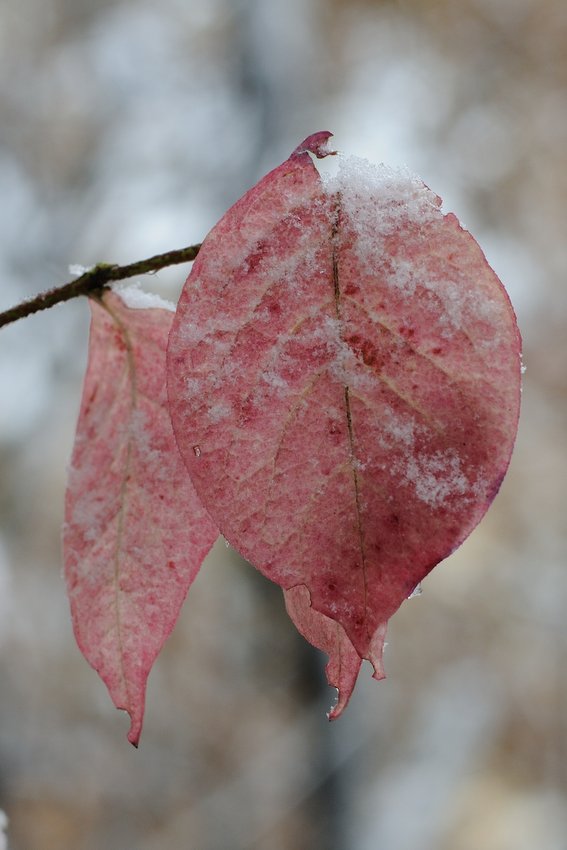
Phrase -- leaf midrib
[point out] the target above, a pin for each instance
(131, 370)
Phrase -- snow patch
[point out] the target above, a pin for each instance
(219, 411)
(436, 477)
(273, 380)
(380, 198)
(398, 430)
(136, 298)
(378, 204)
(77, 270)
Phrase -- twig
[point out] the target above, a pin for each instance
(95, 279)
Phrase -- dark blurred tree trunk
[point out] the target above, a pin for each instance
(269, 97)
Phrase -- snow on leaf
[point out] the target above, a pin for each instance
(136, 298)
(348, 365)
(135, 532)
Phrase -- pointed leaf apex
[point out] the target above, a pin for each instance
(337, 709)
(316, 144)
(135, 729)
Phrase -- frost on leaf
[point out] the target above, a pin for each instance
(135, 532)
(348, 366)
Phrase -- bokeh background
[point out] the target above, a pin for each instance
(126, 129)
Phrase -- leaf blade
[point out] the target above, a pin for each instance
(329, 636)
(135, 533)
(358, 391)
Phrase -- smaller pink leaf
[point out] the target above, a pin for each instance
(329, 636)
(135, 532)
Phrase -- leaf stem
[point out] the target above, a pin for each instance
(96, 279)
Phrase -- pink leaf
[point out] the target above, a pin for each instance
(135, 532)
(330, 637)
(344, 382)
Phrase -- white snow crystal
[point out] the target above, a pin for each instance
(381, 202)
(395, 429)
(219, 411)
(437, 477)
(273, 380)
(377, 196)
(134, 297)
(77, 270)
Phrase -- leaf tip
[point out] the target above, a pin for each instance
(135, 730)
(379, 673)
(377, 647)
(317, 144)
(337, 709)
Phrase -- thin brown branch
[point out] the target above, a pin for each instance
(96, 279)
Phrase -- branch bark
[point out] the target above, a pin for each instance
(96, 279)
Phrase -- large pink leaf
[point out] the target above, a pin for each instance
(135, 532)
(344, 383)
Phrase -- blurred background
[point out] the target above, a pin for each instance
(126, 129)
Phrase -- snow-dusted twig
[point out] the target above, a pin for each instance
(95, 279)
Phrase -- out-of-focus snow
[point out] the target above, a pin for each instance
(6, 600)
(3, 827)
